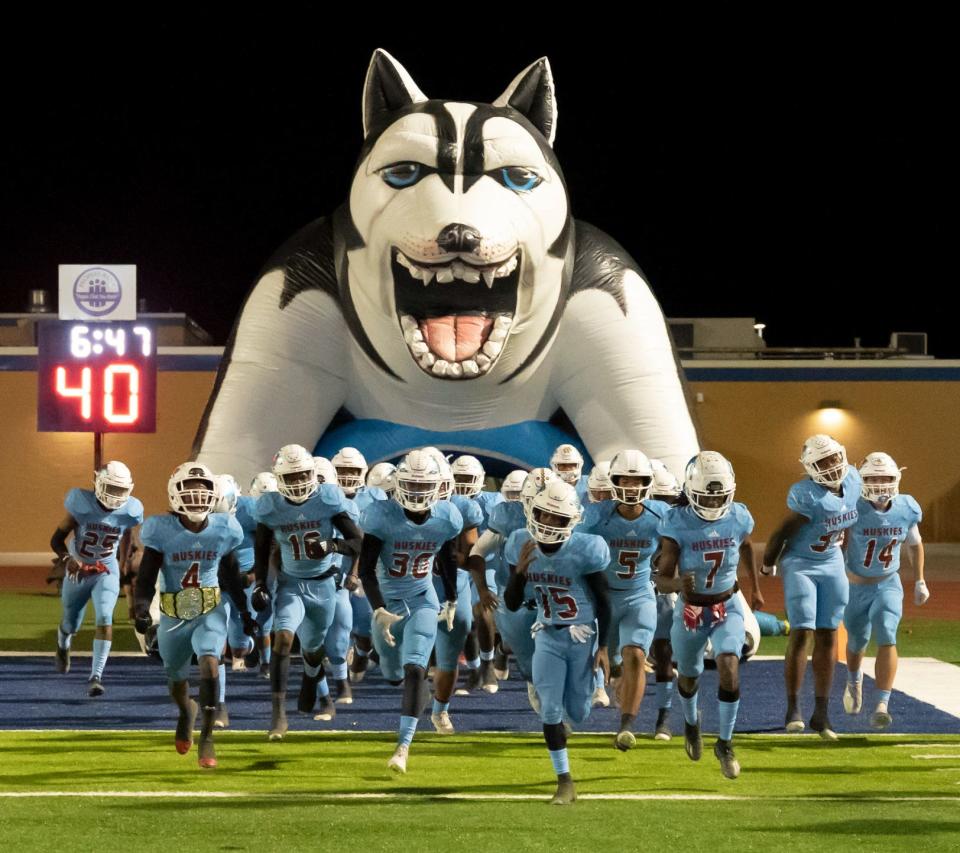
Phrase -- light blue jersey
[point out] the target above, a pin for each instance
(818, 542)
(366, 495)
(487, 501)
(405, 563)
(248, 522)
(469, 510)
(632, 542)
(99, 530)
(300, 528)
(191, 559)
(873, 543)
(505, 518)
(709, 549)
(562, 594)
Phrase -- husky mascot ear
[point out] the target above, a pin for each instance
(532, 94)
(388, 88)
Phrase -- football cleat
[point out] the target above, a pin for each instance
(441, 722)
(183, 739)
(398, 761)
(729, 765)
(853, 697)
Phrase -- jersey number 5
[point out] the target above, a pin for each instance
(628, 559)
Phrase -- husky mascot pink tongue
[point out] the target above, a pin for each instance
(453, 301)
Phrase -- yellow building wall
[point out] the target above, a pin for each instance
(760, 426)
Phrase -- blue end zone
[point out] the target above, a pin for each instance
(36, 697)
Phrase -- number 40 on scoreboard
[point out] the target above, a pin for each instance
(96, 377)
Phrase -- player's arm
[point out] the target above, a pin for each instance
(476, 564)
(352, 536)
(58, 542)
(513, 594)
(128, 569)
(668, 565)
(748, 564)
(262, 543)
(446, 561)
(913, 551)
(788, 528)
(124, 548)
(147, 574)
(369, 554)
(465, 542)
(599, 591)
(230, 579)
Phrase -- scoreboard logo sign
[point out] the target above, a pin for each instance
(96, 292)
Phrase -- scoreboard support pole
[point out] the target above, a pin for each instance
(97, 451)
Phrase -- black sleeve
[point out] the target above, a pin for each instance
(58, 542)
(597, 582)
(352, 535)
(150, 565)
(369, 554)
(447, 563)
(513, 594)
(228, 573)
(263, 539)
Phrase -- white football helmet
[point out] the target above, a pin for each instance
(468, 475)
(293, 467)
(263, 482)
(197, 501)
(381, 476)
(351, 469)
(513, 485)
(599, 486)
(825, 460)
(884, 483)
(446, 484)
(227, 493)
(665, 486)
(418, 481)
(567, 463)
(535, 482)
(631, 463)
(112, 485)
(554, 513)
(325, 471)
(709, 485)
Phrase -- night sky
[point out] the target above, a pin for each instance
(798, 172)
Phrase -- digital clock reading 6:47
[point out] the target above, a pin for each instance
(96, 377)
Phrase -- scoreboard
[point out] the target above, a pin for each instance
(96, 377)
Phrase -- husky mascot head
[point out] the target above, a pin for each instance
(462, 218)
(451, 301)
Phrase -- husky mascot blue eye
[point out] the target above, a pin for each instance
(474, 314)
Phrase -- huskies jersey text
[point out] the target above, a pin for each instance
(631, 542)
(829, 514)
(709, 549)
(557, 579)
(406, 557)
(873, 543)
(190, 559)
(98, 531)
(300, 528)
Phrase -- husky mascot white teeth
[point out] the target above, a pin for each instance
(452, 301)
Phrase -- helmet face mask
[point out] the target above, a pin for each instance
(294, 468)
(825, 460)
(554, 513)
(710, 485)
(228, 492)
(567, 463)
(381, 476)
(468, 476)
(263, 482)
(192, 491)
(881, 478)
(512, 486)
(599, 487)
(113, 485)
(631, 476)
(418, 481)
(351, 469)
(537, 480)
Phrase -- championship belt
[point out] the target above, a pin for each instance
(189, 603)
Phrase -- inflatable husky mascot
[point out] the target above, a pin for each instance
(453, 301)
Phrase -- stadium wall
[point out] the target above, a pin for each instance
(757, 413)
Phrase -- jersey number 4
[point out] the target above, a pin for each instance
(191, 577)
(557, 593)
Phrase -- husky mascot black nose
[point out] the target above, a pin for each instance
(392, 324)
(458, 238)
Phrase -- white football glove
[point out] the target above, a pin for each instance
(921, 595)
(448, 612)
(769, 571)
(385, 621)
(581, 633)
(537, 626)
